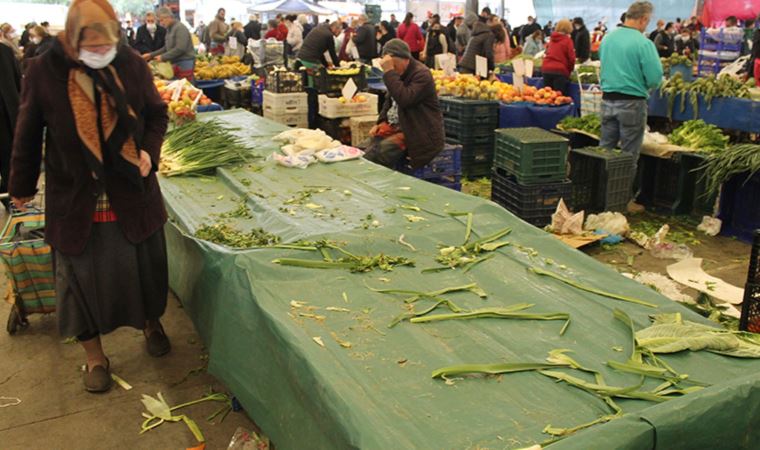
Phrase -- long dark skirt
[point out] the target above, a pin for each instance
(113, 283)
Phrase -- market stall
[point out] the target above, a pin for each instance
(310, 356)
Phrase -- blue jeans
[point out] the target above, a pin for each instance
(623, 126)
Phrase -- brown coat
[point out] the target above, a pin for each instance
(70, 189)
(419, 113)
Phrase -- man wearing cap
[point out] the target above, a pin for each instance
(409, 129)
(178, 45)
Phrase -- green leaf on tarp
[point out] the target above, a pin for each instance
(157, 406)
(673, 338)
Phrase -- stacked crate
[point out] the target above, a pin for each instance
(529, 173)
(602, 179)
(336, 115)
(674, 185)
(444, 170)
(284, 100)
(471, 124)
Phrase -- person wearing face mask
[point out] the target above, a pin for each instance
(24, 40)
(39, 42)
(104, 213)
(528, 29)
(8, 37)
(150, 36)
(630, 69)
(178, 47)
(436, 43)
(581, 40)
(685, 44)
(664, 41)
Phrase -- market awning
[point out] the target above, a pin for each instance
(292, 7)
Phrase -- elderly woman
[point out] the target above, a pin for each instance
(103, 207)
(8, 37)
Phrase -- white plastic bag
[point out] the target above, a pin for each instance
(565, 222)
(299, 161)
(710, 225)
(337, 154)
(610, 222)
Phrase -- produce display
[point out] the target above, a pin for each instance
(698, 135)
(182, 98)
(719, 167)
(585, 75)
(219, 67)
(163, 70)
(708, 88)
(281, 80)
(676, 60)
(590, 124)
(197, 148)
(468, 86)
(507, 66)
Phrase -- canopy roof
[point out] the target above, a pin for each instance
(292, 7)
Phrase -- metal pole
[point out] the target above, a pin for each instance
(471, 5)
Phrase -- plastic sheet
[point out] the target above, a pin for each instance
(518, 115)
(729, 113)
(378, 393)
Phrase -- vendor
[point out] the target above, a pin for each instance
(217, 33)
(630, 69)
(319, 41)
(150, 36)
(178, 50)
(410, 127)
(104, 213)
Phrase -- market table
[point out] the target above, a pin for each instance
(729, 113)
(378, 394)
(519, 115)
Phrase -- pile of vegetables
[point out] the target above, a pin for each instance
(698, 135)
(719, 167)
(346, 260)
(585, 75)
(676, 60)
(217, 68)
(590, 123)
(197, 148)
(224, 234)
(708, 88)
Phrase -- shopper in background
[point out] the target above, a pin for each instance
(385, 33)
(178, 48)
(150, 36)
(129, 33)
(548, 28)
(481, 44)
(320, 40)
(393, 22)
(463, 37)
(687, 45)
(410, 33)
(528, 29)
(305, 25)
(200, 32)
(664, 41)
(451, 30)
(559, 60)
(237, 35)
(630, 69)
(39, 42)
(660, 28)
(501, 47)
(294, 39)
(252, 29)
(409, 128)
(581, 40)
(217, 33)
(104, 213)
(24, 39)
(534, 44)
(485, 14)
(436, 43)
(10, 86)
(365, 40)
(8, 38)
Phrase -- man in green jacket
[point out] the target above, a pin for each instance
(178, 47)
(630, 69)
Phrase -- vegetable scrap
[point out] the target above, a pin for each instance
(226, 235)
(354, 263)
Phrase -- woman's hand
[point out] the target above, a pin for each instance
(145, 164)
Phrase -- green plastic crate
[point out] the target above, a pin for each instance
(532, 155)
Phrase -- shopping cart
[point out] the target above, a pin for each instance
(28, 261)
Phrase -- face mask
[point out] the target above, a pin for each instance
(151, 27)
(12, 35)
(36, 40)
(96, 60)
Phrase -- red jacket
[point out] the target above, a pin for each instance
(280, 33)
(560, 55)
(411, 35)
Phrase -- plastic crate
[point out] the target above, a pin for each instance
(327, 83)
(738, 206)
(338, 129)
(360, 127)
(257, 92)
(284, 82)
(448, 164)
(289, 103)
(602, 179)
(577, 140)
(332, 108)
(750, 318)
(673, 186)
(534, 204)
(482, 140)
(532, 155)
(464, 131)
(470, 111)
(298, 120)
(753, 274)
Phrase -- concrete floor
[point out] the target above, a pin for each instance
(56, 413)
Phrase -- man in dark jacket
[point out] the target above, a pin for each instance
(409, 129)
(365, 40)
(10, 86)
(581, 40)
(321, 40)
(252, 29)
(481, 44)
(529, 28)
(150, 35)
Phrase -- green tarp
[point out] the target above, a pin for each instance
(378, 394)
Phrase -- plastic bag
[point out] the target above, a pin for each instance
(565, 222)
(300, 161)
(245, 440)
(611, 222)
(659, 247)
(337, 154)
(710, 225)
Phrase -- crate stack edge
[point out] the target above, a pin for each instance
(471, 124)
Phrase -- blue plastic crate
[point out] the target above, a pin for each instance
(447, 163)
(257, 93)
(738, 206)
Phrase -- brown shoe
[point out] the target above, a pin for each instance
(157, 342)
(98, 379)
(635, 208)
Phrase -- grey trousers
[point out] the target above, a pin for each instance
(623, 125)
